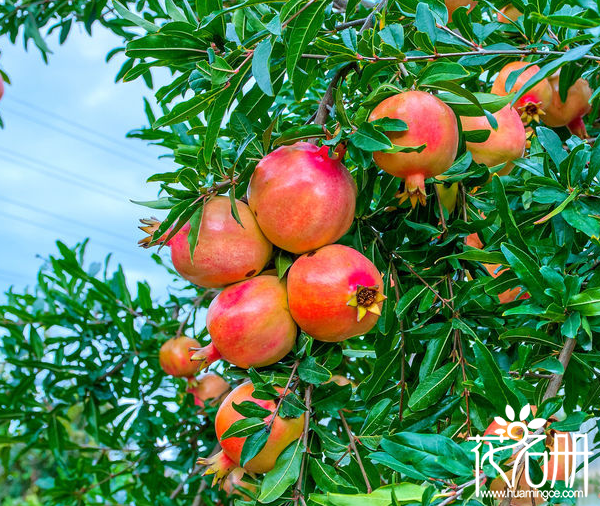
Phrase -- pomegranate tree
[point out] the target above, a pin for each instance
(249, 324)
(282, 431)
(301, 197)
(533, 104)
(505, 143)
(225, 253)
(175, 357)
(432, 125)
(569, 113)
(335, 293)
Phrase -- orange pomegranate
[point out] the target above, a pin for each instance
(226, 252)
(335, 293)
(532, 104)
(283, 432)
(174, 357)
(505, 144)
(301, 197)
(508, 13)
(431, 123)
(249, 324)
(452, 5)
(571, 112)
(209, 388)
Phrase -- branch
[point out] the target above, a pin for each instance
(298, 496)
(370, 20)
(355, 450)
(327, 100)
(282, 396)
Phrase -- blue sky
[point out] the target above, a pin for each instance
(66, 170)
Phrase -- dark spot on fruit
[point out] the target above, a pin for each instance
(251, 273)
(311, 253)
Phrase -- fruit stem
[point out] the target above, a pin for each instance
(206, 356)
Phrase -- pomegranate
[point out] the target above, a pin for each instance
(235, 485)
(226, 252)
(430, 122)
(249, 324)
(283, 432)
(495, 270)
(571, 112)
(335, 293)
(508, 13)
(209, 387)
(535, 102)
(174, 357)
(452, 5)
(302, 198)
(504, 144)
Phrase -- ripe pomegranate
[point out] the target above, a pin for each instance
(335, 293)
(302, 198)
(209, 387)
(452, 5)
(174, 357)
(234, 483)
(283, 432)
(505, 144)
(495, 270)
(571, 112)
(249, 324)
(508, 13)
(430, 122)
(535, 102)
(226, 252)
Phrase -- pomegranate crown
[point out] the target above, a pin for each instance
(150, 226)
(220, 465)
(366, 299)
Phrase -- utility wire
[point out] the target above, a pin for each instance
(78, 125)
(59, 233)
(66, 219)
(76, 180)
(75, 136)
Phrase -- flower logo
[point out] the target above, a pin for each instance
(517, 428)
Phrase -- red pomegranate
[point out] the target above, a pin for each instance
(571, 112)
(174, 357)
(535, 102)
(302, 198)
(452, 5)
(249, 324)
(226, 252)
(283, 432)
(431, 122)
(208, 388)
(508, 13)
(335, 293)
(505, 144)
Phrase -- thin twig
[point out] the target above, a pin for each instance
(298, 495)
(282, 396)
(355, 450)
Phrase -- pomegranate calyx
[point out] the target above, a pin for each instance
(414, 189)
(531, 111)
(577, 127)
(219, 464)
(206, 356)
(151, 226)
(366, 299)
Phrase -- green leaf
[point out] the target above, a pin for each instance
(134, 18)
(300, 133)
(431, 389)
(393, 36)
(572, 423)
(376, 416)
(261, 66)
(311, 372)
(328, 478)
(527, 270)
(425, 22)
(283, 261)
(587, 303)
(195, 222)
(404, 492)
(442, 71)
(496, 389)
(383, 369)
(188, 109)
(253, 445)
(285, 472)
(368, 138)
(408, 300)
(303, 29)
(244, 427)
(250, 409)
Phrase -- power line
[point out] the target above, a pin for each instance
(76, 124)
(59, 233)
(75, 136)
(80, 181)
(66, 219)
